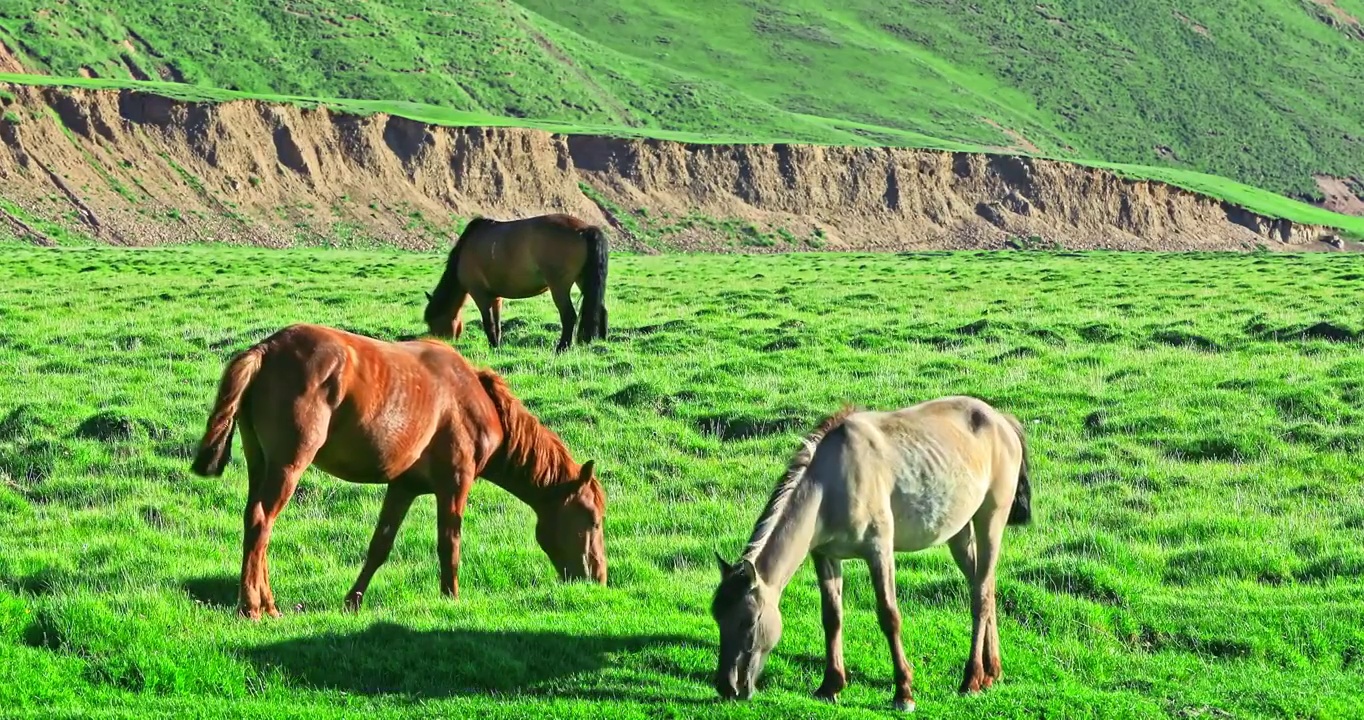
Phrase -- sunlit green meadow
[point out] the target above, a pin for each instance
(1196, 549)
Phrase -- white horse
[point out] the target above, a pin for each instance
(867, 485)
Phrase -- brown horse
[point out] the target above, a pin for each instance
(495, 259)
(414, 415)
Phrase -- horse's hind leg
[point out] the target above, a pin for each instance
(567, 315)
(984, 665)
(881, 563)
(272, 488)
(994, 665)
(963, 546)
(248, 593)
(397, 500)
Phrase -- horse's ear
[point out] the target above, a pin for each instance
(725, 568)
(428, 297)
(585, 474)
(747, 569)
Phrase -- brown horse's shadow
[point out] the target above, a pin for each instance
(388, 658)
(217, 591)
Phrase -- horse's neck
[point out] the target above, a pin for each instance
(531, 471)
(780, 553)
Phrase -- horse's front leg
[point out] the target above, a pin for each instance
(485, 311)
(830, 572)
(450, 504)
(881, 563)
(397, 500)
(496, 310)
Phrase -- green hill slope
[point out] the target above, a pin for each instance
(1263, 92)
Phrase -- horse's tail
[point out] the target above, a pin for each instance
(215, 449)
(1021, 512)
(593, 283)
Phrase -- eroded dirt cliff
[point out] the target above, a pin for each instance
(137, 169)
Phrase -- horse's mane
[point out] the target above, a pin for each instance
(452, 260)
(795, 472)
(529, 449)
(449, 278)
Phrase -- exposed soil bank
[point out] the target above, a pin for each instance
(132, 168)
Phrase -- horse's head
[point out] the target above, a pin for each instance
(569, 528)
(746, 611)
(444, 315)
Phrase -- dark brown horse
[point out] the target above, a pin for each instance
(414, 415)
(494, 259)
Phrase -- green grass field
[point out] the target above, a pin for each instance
(1198, 509)
(1264, 92)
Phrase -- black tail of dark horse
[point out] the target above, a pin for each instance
(1021, 511)
(592, 325)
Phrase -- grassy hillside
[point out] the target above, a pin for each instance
(1267, 92)
(1196, 548)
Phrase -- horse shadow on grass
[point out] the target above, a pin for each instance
(391, 659)
(216, 591)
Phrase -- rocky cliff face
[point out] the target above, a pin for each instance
(138, 169)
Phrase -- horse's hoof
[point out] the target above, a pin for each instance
(905, 705)
(829, 689)
(250, 613)
(353, 602)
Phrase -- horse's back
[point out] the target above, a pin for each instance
(373, 405)
(314, 348)
(551, 229)
(571, 223)
(930, 465)
(524, 257)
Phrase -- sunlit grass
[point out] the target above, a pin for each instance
(1195, 423)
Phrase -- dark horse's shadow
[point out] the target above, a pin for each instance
(388, 658)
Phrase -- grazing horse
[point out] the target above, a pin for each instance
(414, 415)
(867, 485)
(495, 259)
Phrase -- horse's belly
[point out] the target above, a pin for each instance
(348, 469)
(928, 509)
(376, 455)
(526, 289)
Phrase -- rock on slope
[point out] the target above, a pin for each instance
(139, 169)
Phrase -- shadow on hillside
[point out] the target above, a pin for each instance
(388, 658)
